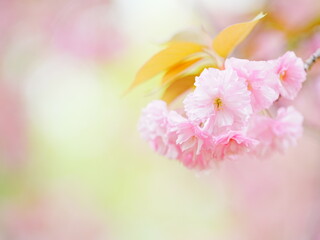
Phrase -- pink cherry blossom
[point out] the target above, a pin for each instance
(287, 127)
(260, 81)
(195, 143)
(290, 70)
(222, 118)
(279, 133)
(232, 144)
(154, 128)
(221, 95)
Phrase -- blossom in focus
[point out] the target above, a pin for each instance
(194, 141)
(290, 70)
(260, 80)
(225, 116)
(221, 95)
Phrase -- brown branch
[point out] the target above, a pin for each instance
(311, 60)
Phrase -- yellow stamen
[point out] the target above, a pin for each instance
(217, 103)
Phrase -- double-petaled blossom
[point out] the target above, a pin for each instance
(287, 127)
(193, 140)
(290, 70)
(261, 82)
(221, 95)
(225, 114)
(276, 134)
(233, 144)
(154, 128)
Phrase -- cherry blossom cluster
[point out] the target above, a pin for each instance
(231, 112)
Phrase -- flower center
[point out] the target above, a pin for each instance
(283, 75)
(217, 103)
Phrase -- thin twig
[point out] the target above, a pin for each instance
(311, 60)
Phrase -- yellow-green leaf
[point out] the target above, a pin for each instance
(178, 69)
(225, 42)
(174, 53)
(178, 87)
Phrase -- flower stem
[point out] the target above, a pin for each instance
(311, 60)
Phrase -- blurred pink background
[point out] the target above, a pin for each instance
(72, 163)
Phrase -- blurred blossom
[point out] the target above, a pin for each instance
(9, 16)
(277, 198)
(13, 127)
(308, 102)
(86, 29)
(264, 44)
(51, 217)
(309, 44)
(294, 14)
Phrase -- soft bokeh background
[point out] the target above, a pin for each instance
(72, 163)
